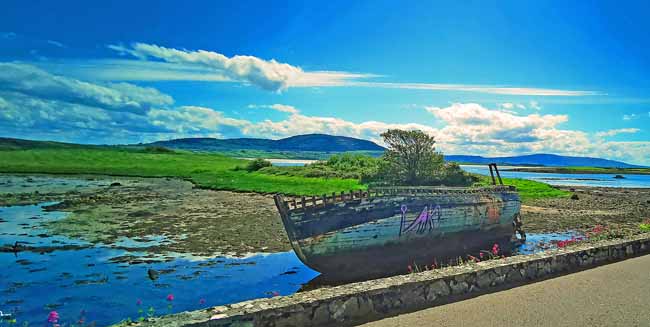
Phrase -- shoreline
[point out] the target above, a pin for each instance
(562, 170)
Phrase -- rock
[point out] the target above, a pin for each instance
(114, 184)
(438, 288)
(619, 177)
(321, 315)
(153, 274)
(484, 280)
(458, 288)
(574, 196)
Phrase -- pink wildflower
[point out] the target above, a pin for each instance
(275, 293)
(170, 297)
(53, 317)
(201, 301)
(481, 255)
(410, 269)
(495, 249)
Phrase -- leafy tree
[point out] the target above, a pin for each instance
(410, 158)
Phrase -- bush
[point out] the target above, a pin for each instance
(257, 164)
(157, 149)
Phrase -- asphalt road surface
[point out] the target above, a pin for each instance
(613, 295)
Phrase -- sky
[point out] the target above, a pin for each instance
(484, 78)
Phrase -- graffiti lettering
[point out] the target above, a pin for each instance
(428, 220)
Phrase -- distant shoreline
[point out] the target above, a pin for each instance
(584, 170)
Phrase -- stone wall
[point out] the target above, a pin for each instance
(371, 300)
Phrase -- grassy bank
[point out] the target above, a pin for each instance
(209, 170)
(585, 170)
(213, 171)
(530, 190)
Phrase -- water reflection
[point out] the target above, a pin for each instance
(108, 289)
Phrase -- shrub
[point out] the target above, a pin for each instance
(157, 149)
(257, 164)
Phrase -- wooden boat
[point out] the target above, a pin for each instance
(379, 232)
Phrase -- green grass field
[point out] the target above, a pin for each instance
(529, 190)
(213, 171)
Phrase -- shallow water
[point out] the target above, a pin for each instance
(68, 281)
(595, 180)
(108, 290)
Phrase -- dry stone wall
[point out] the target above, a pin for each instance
(371, 300)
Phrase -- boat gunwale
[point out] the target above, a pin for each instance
(297, 204)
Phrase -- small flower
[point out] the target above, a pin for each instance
(170, 297)
(481, 255)
(138, 302)
(410, 269)
(275, 293)
(495, 249)
(53, 317)
(201, 301)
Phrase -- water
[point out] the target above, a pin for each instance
(91, 279)
(68, 281)
(599, 180)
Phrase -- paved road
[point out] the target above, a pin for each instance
(613, 295)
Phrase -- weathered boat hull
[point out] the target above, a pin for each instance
(368, 235)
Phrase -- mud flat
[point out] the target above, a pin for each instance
(192, 220)
(620, 209)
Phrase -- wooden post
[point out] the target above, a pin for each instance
(333, 197)
(293, 202)
(324, 199)
(342, 196)
(303, 202)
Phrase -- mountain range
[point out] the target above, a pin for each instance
(550, 160)
(323, 143)
(308, 142)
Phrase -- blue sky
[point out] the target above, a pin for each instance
(484, 78)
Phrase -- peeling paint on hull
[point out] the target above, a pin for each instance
(369, 236)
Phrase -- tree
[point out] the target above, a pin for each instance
(410, 158)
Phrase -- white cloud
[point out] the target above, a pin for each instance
(276, 76)
(37, 83)
(507, 105)
(473, 123)
(534, 105)
(613, 132)
(479, 89)
(277, 107)
(266, 74)
(56, 43)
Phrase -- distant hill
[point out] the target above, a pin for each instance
(7, 143)
(318, 146)
(551, 160)
(308, 142)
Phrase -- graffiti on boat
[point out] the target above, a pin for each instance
(428, 220)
